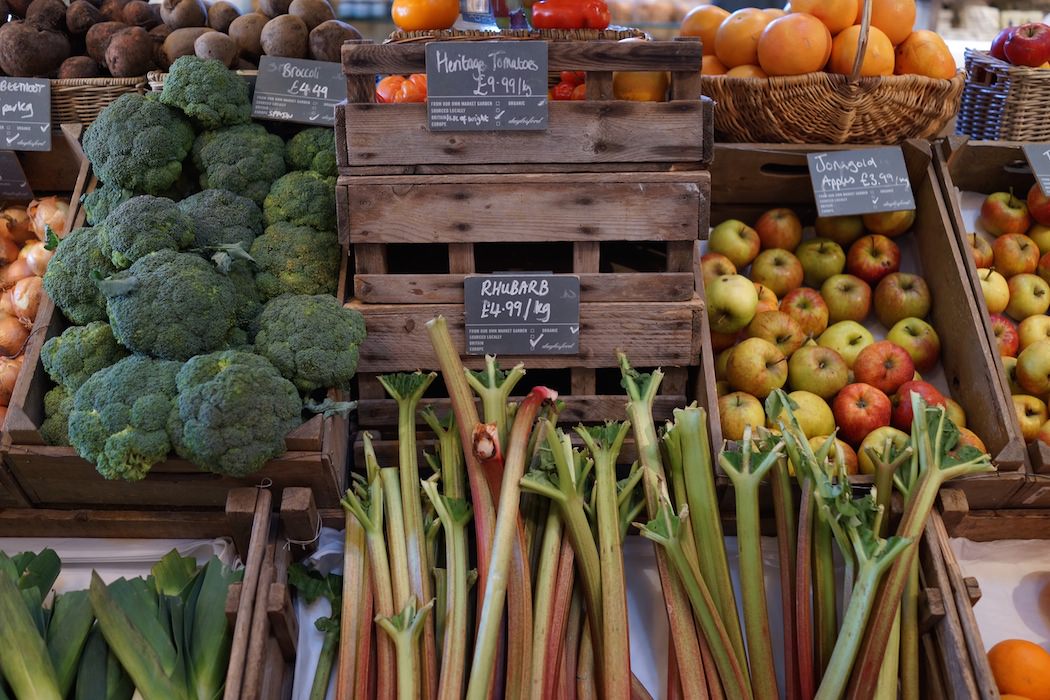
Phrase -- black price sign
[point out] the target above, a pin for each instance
(1038, 155)
(861, 181)
(297, 90)
(25, 114)
(487, 86)
(522, 314)
(13, 183)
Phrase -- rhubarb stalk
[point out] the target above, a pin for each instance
(544, 602)
(784, 514)
(355, 631)
(405, 629)
(559, 617)
(494, 386)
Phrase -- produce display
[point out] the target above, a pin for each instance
(1025, 45)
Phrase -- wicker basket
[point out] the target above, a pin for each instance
(79, 100)
(155, 78)
(610, 34)
(1002, 102)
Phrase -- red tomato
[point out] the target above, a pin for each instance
(579, 92)
(398, 88)
(563, 91)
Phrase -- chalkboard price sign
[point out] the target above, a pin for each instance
(487, 86)
(1038, 155)
(297, 90)
(25, 114)
(860, 181)
(522, 314)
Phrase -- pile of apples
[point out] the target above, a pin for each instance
(1026, 45)
(796, 321)
(1014, 272)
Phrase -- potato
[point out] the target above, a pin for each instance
(312, 12)
(113, 10)
(180, 42)
(326, 40)
(81, 15)
(47, 14)
(184, 13)
(131, 52)
(30, 52)
(285, 36)
(221, 14)
(158, 34)
(246, 30)
(274, 8)
(218, 46)
(99, 36)
(139, 13)
(79, 67)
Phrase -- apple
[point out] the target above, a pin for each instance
(735, 240)
(1043, 268)
(767, 300)
(1044, 433)
(981, 250)
(821, 258)
(779, 329)
(1010, 370)
(884, 365)
(902, 411)
(808, 308)
(1007, 335)
(779, 228)
(995, 290)
(919, 340)
(1038, 206)
(847, 338)
(721, 360)
(848, 298)
(1033, 368)
(1032, 330)
(1029, 296)
(859, 409)
(844, 230)
(756, 367)
(721, 341)
(818, 370)
(901, 295)
(878, 440)
(722, 388)
(714, 265)
(813, 414)
(1001, 212)
(999, 43)
(779, 270)
(956, 414)
(1014, 254)
(873, 257)
(731, 303)
(889, 223)
(840, 448)
(1040, 234)
(968, 438)
(1031, 414)
(1029, 45)
(738, 410)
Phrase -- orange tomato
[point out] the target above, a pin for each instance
(925, 53)
(895, 18)
(421, 15)
(736, 41)
(712, 66)
(641, 86)
(747, 71)
(398, 88)
(835, 14)
(795, 44)
(579, 92)
(878, 57)
(703, 21)
(1021, 668)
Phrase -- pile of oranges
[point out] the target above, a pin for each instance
(1021, 670)
(817, 35)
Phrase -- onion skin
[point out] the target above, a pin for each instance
(9, 368)
(9, 251)
(25, 298)
(36, 256)
(16, 225)
(13, 335)
(48, 211)
(10, 274)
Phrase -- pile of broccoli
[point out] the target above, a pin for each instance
(201, 290)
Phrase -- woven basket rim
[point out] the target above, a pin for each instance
(1014, 72)
(608, 34)
(99, 82)
(821, 76)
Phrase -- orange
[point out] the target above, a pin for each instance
(895, 18)
(793, 45)
(925, 53)
(712, 66)
(835, 14)
(736, 41)
(641, 86)
(774, 12)
(747, 71)
(703, 21)
(1021, 668)
(878, 58)
(1010, 696)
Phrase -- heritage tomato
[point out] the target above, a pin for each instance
(579, 92)
(398, 88)
(570, 14)
(575, 77)
(421, 15)
(563, 91)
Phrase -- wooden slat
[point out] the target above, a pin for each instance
(582, 381)
(461, 258)
(369, 258)
(586, 257)
(42, 522)
(685, 85)
(242, 633)
(599, 85)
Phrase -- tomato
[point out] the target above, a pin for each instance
(421, 15)
(398, 88)
(570, 14)
(579, 92)
(575, 77)
(563, 91)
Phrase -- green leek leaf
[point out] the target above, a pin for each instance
(174, 573)
(25, 661)
(67, 633)
(211, 638)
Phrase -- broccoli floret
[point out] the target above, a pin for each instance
(312, 149)
(244, 159)
(171, 305)
(312, 340)
(57, 405)
(302, 198)
(69, 359)
(98, 204)
(234, 410)
(143, 225)
(120, 416)
(207, 92)
(295, 260)
(222, 217)
(138, 144)
(68, 277)
(247, 300)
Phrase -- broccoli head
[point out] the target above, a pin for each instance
(98, 204)
(312, 340)
(69, 359)
(68, 281)
(302, 198)
(138, 144)
(171, 305)
(312, 149)
(245, 159)
(234, 410)
(207, 92)
(295, 260)
(120, 416)
(57, 405)
(143, 225)
(221, 217)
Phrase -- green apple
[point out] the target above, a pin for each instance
(844, 230)
(919, 340)
(778, 270)
(1032, 330)
(1041, 235)
(847, 338)
(738, 410)
(1029, 296)
(735, 240)
(901, 295)
(756, 367)
(818, 370)
(848, 298)
(1031, 414)
(731, 303)
(876, 440)
(813, 414)
(1033, 368)
(1010, 370)
(821, 258)
(995, 289)
(721, 360)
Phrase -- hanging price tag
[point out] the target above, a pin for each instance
(860, 181)
(297, 90)
(25, 114)
(522, 314)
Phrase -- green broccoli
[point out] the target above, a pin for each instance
(57, 405)
(244, 159)
(222, 217)
(312, 149)
(234, 410)
(312, 340)
(207, 92)
(120, 416)
(171, 305)
(98, 204)
(69, 359)
(143, 225)
(295, 260)
(247, 299)
(67, 279)
(138, 144)
(302, 198)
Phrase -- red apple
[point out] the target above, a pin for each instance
(714, 265)
(1015, 254)
(841, 229)
(901, 295)
(808, 308)
(919, 340)
(1029, 45)
(884, 365)
(859, 409)
(767, 300)
(873, 257)
(1043, 267)
(779, 228)
(721, 341)
(779, 329)
(1007, 339)
(757, 367)
(981, 250)
(848, 298)
(777, 269)
(889, 223)
(902, 413)
(1000, 42)
(1038, 205)
(1002, 212)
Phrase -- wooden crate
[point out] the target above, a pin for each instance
(749, 179)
